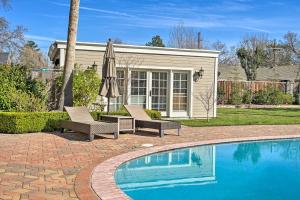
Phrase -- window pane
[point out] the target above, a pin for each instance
(134, 91)
(163, 92)
(142, 91)
(120, 74)
(142, 99)
(154, 106)
(176, 84)
(134, 75)
(184, 84)
(134, 83)
(155, 99)
(183, 107)
(183, 76)
(163, 84)
(155, 91)
(155, 75)
(176, 107)
(142, 83)
(155, 83)
(183, 91)
(163, 106)
(163, 76)
(163, 100)
(176, 76)
(142, 75)
(175, 100)
(134, 100)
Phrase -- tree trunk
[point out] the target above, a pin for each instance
(66, 95)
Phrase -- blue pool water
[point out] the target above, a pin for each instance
(268, 170)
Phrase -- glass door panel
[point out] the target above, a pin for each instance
(138, 88)
(180, 92)
(159, 91)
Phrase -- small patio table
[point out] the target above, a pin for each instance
(125, 123)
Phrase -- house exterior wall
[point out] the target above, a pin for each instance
(190, 61)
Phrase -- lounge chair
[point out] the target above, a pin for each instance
(142, 120)
(82, 121)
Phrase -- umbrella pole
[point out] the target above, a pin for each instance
(108, 104)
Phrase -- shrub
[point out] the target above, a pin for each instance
(247, 97)
(220, 96)
(288, 99)
(28, 122)
(85, 87)
(272, 96)
(262, 97)
(27, 102)
(236, 96)
(154, 114)
(19, 92)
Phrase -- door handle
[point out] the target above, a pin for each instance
(150, 93)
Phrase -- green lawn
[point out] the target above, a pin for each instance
(230, 116)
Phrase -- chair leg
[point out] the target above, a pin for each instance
(62, 130)
(161, 132)
(92, 136)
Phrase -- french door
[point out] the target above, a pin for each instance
(159, 92)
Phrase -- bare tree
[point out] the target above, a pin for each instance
(128, 62)
(293, 42)
(11, 41)
(208, 99)
(252, 54)
(181, 36)
(254, 41)
(227, 55)
(66, 95)
(5, 3)
(117, 41)
(32, 58)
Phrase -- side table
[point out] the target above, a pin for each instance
(125, 123)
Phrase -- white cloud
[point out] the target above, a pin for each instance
(39, 38)
(111, 12)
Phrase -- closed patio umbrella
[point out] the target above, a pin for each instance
(109, 86)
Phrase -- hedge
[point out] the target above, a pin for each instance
(30, 122)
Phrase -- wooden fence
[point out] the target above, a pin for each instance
(226, 87)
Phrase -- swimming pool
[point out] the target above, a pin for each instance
(268, 170)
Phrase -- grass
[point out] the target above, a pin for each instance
(232, 116)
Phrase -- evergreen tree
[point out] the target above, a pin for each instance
(156, 41)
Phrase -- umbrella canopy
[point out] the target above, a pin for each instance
(109, 86)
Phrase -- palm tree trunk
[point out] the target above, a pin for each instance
(66, 95)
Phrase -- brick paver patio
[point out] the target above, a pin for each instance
(58, 166)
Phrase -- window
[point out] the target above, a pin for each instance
(159, 91)
(138, 88)
(180, 157)
(117, 103)
(180, 87)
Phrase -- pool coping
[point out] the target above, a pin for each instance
(103, 180)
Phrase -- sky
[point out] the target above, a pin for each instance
(136, 21)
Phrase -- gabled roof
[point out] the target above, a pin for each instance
(4, 58)
(286, 72)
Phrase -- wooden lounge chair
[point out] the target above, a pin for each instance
(82, 121)
(142, 120)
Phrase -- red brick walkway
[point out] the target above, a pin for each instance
(57, 166)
